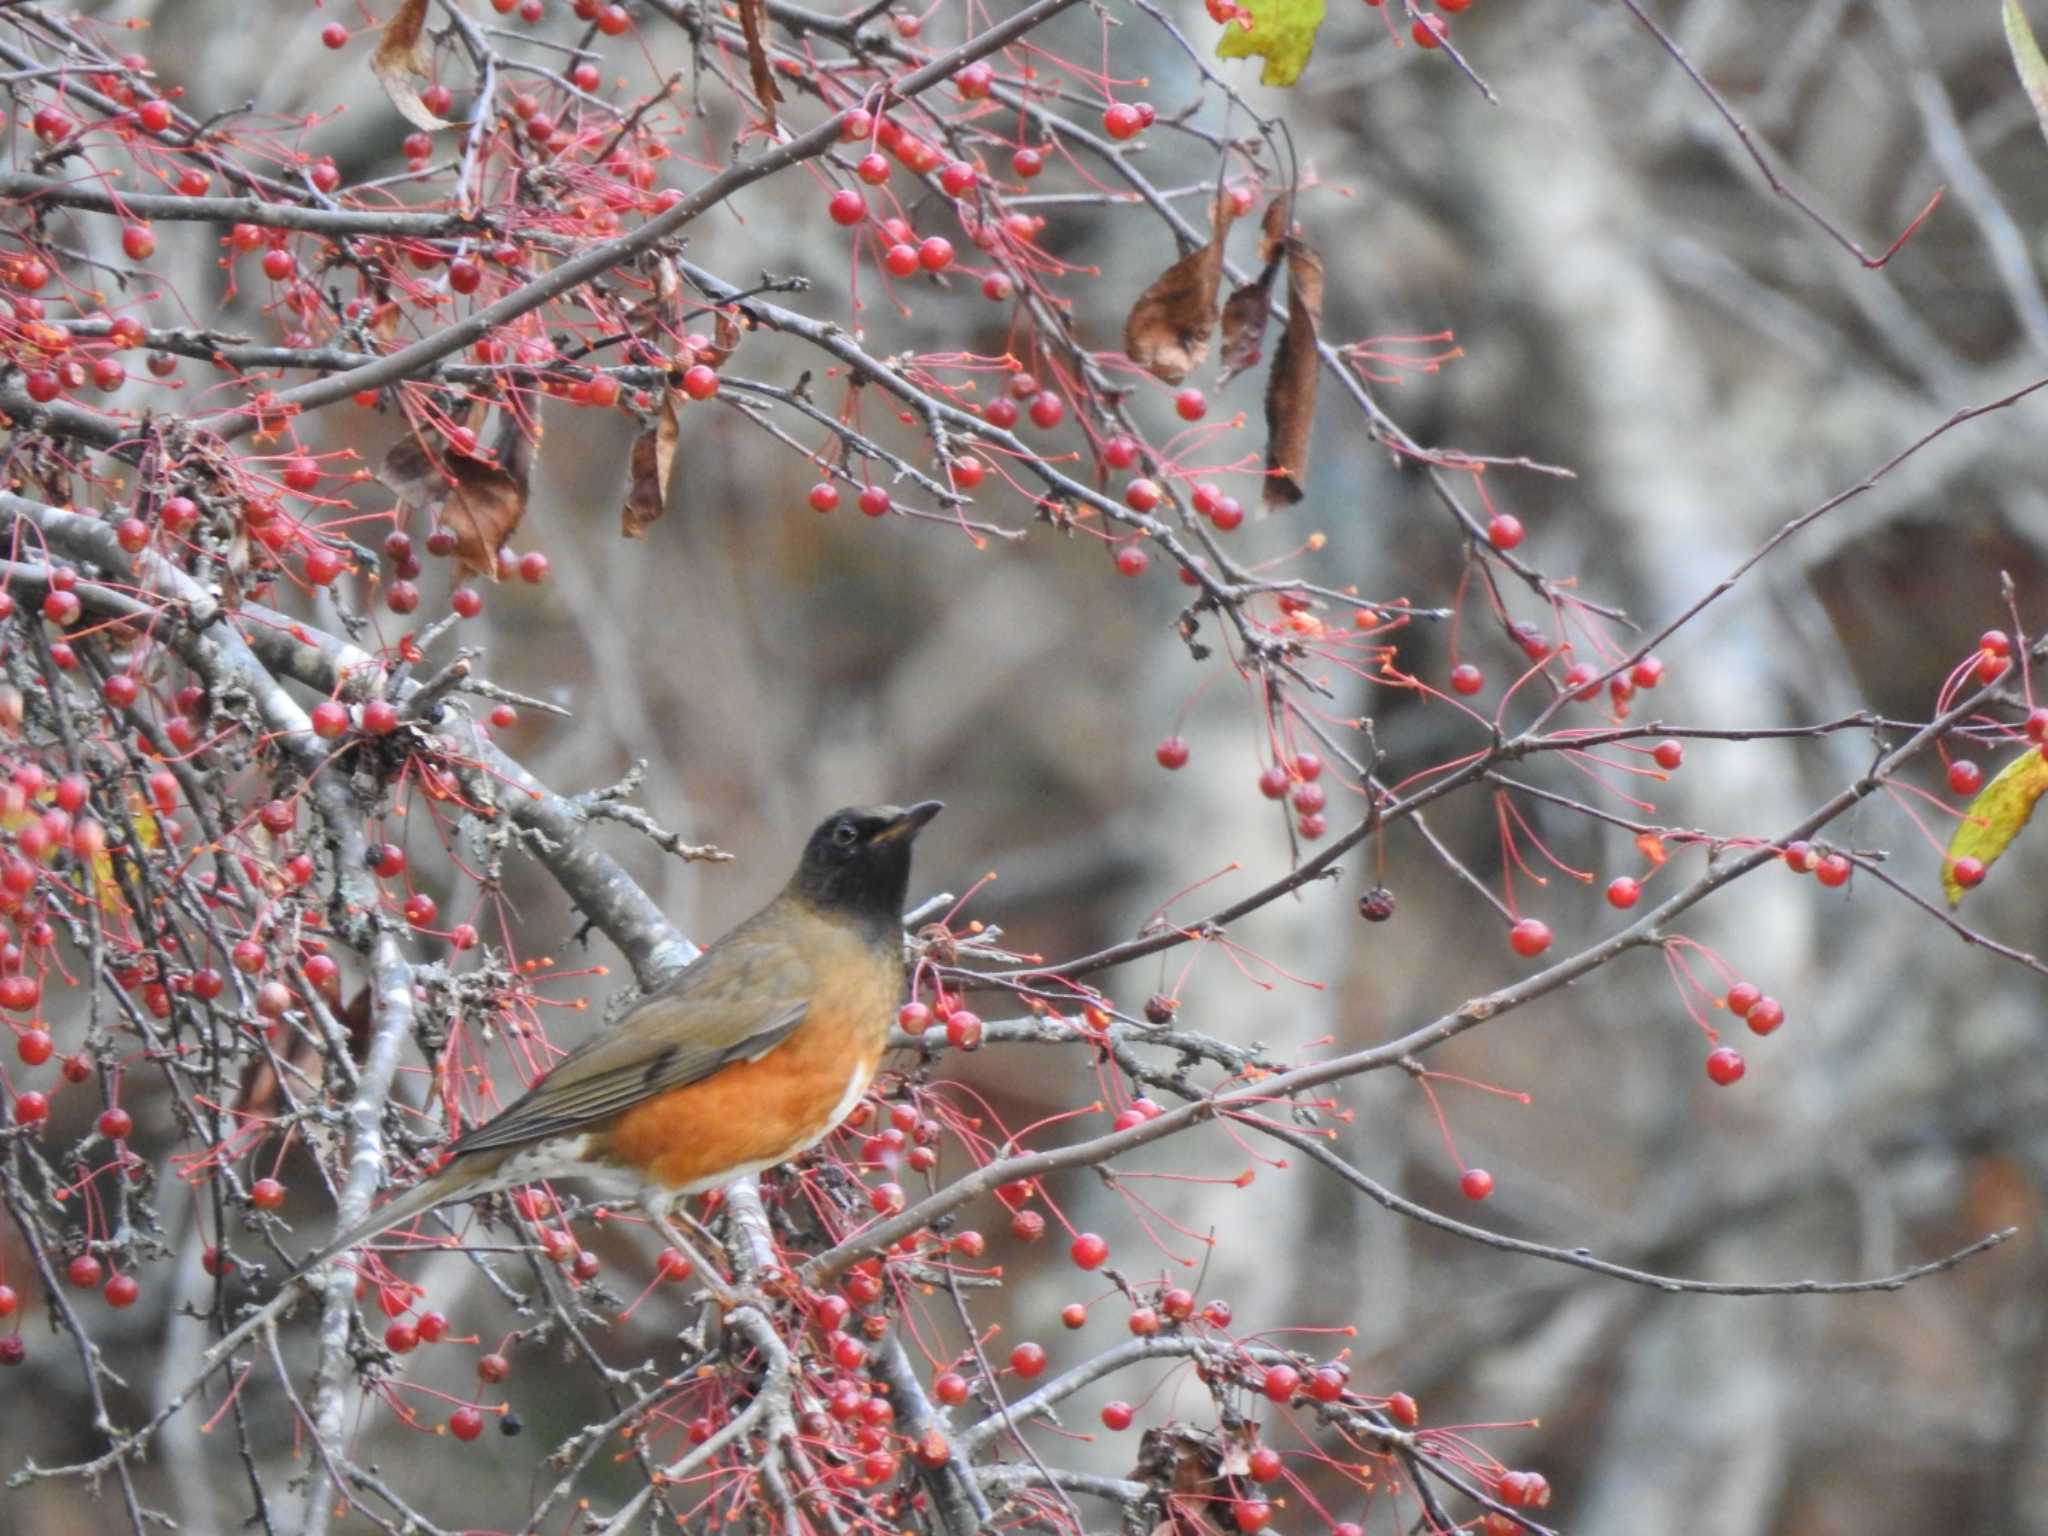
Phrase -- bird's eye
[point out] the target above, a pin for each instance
(845, 834)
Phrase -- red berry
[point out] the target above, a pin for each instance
(1968, 872)
(1172, 752)
(1504, 532)
(1280, 1383)
(874, 501)
(700, 382)
(84, 1271)
(1529, 938)
(1965, 777)
(1429, 31)
(1263, 1464)
(330, 719)
(1800, 858)
(1025, 1226)
(380, 717)
(1623, 892)
(1668, 754)
(1144, 1322)
(1647, 673)
(1725, 1065)
(997, 288)
(1073, 1315)
(1122, 121)
(848, 206)
(31, 1107)
(935, 254)
(824, 496)
(1833, 870)
(901, 260)
(116, 1123)
(1765, 1015)
(1117, 1415)
(401, 1338)
(493, 1368)
(467, 1422)
(1404, 1410)
(1131, 559)
(1090, 1251)
(1122, 453)
(266, 1194)
(334, 35)
(2037, 724)
(1476, 1183)
(1742, 997)
(1995, 642)
(13, 1349)
(1000, 413)
(122, 1290)
(1191, 405)
(1466, 678)
(139, 241)
(1048, 410)
(1027, 1360)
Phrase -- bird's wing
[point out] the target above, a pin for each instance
(736, 1002)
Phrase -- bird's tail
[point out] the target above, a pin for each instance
(462, 1177)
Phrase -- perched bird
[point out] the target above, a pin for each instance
(747, 1057)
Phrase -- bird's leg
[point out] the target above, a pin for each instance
(660, 1210)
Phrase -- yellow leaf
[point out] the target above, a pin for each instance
(2026, 56)
(1995, 817)
(1282, 33)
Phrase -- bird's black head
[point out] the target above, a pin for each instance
(857, 863)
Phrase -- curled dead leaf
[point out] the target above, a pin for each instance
(1291, 386)
(1168, 330)
(647, 476)
(726, 332)
(400, 59)
(480, 501)
(753, 25)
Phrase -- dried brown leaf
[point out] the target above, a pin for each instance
(480, 501)
(1168, 331)
(1275, 227)
(654, 457)
(399, 59)
(753, 23)
(726, 332)
(1244, 324)
(1291, 386)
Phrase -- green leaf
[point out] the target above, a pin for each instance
(1997, 816)
(2026, 53)
(1283, 32)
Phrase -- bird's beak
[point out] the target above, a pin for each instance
(909, 822)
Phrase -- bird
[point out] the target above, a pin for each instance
(745, 1059)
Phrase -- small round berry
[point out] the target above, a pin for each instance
(1429, 31)
(1742, 997)
(1725, 1065)
(1968, 872)
(31, 1107)
(1142, 495)
(1668, 754)
(13, 1350)
(1833, 870)
(1623, 892)
(1404, 1410)
(1117, 1415)
(1647, 673)
(1122, 121)
(116, 1124)
(1376, 905)
(935, 254)
(334, 35)
(266, 1194)
(1172, 752)
(1132, 560)
(122, 1290)
(847, 206)
(1529, 938)
(1048, 410)
(1280, 1383)
(1995, 642)
(1191, 405)
(1089, 1251)
(1263, 1465)
(1122, 452)
(874, 501)
(84, 1271)
(1467, 679)
(1476, 1183)
(1800, 858)
(1965, 777)
(1504, 532)
(466, 1422)
(1765, 1015)
(957, 177)
(700, 382)
(1027, 1360)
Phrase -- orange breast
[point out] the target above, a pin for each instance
(755, 1114)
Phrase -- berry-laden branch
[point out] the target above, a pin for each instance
(264, 854)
